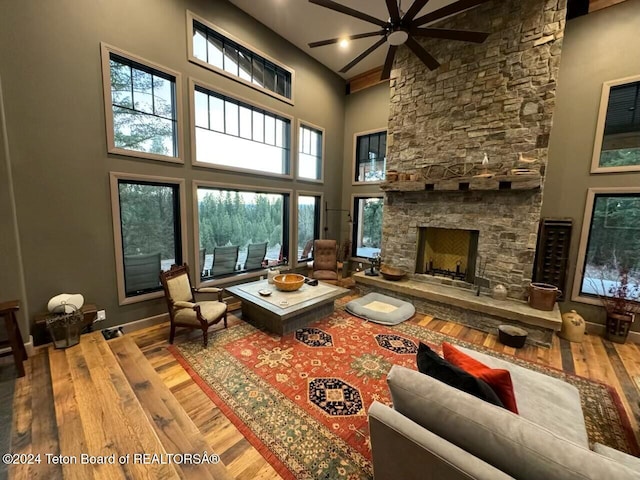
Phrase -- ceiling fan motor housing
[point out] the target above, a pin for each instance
(397, 37)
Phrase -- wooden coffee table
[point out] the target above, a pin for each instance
(284, 312)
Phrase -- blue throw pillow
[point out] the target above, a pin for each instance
(430, 363)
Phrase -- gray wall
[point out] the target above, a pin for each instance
(11, 278)
(364, 111)
(598, 47)
(50, 67)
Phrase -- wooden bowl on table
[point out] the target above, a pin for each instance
(288, 282)
(392, 273)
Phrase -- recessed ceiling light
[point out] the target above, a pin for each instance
(344, 43)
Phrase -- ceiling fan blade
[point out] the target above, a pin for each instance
(349, 11)
(357, 60)
(414, 9)
(456, 7)
(388, 62)
(331, 41)
(462, 35)
(422, 54)
(394, 11)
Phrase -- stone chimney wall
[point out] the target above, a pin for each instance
(495, 98)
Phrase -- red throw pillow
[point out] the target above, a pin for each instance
(498, 379)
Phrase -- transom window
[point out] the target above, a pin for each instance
(235, 225)
(310, 153)
(216, 49)
(231, 133)
(367, 226)
(612, 242)
(371, 157)
(309, 207)
(148, 225)
(141, 107)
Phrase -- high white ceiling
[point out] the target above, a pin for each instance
(301, 22)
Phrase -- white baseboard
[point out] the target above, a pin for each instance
(599, 329)
(29, 347)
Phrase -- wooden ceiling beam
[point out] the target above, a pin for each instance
(595, 5)
(367, 79)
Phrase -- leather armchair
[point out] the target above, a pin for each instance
(325, 260)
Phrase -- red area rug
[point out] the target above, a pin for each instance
(302, 399)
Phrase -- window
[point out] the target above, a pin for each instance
(611, 236)
(239, 218)
(141, 106)
(371, 157)
(367, 226)
(213, 48)
(233, 134)
(310, 153)
(148, 218)
(309, 208)
(617, 139)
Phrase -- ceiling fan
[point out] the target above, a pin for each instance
(401, 28)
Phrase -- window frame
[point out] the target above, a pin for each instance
(584, 239)
(355, 154)
(191, 17)
(352, 210)
(302, 123)
(242, 276)
(106, 50)
(193, 83)
(599, 135)
(114, 178)
(304, 193)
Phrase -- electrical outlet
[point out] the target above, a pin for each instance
(101, 316)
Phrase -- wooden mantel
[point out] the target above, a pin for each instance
(497, 182)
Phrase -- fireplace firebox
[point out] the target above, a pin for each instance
(447, 252)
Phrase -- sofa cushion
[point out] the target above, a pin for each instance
(509, 442)
(430, 363)
(403, 450)
(498, 379)
(546, 401)
(620, 457)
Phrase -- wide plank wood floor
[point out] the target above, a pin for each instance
(45, 420)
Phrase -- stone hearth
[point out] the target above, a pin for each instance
(463, 306)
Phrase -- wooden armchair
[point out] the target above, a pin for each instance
(184, 311)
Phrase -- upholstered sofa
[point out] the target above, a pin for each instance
(435, 431)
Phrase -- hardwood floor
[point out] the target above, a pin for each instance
(109, 384)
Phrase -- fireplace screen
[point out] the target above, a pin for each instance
(447, 252)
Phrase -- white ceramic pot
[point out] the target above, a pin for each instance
(271, 274)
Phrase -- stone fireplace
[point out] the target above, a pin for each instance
(496, 98)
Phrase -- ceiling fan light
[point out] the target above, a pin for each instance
(397, 37)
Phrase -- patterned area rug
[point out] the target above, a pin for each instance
(301, 399)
